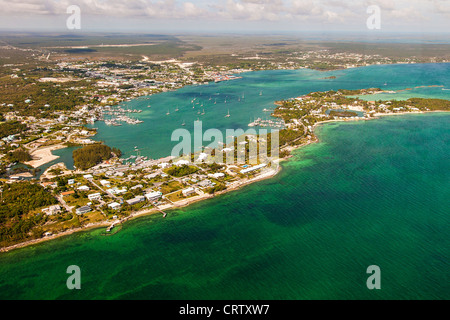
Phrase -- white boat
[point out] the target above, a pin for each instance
(228, 115)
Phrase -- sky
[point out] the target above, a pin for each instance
(226, 15)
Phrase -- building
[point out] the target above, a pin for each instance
(88, 176)
(116, 190)
(217, 175)
(205, 183)
(83, 210)
(260, 166)
(136, 200)
(83, 188)
(105, 183)
(114, 205)
(95, 196)
(181, 163)
(153, 196)
(50, 184)
(52, 210)
(68, 193)
(187, 192)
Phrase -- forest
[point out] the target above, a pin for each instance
(10, 128)
(18, 200)
(91, 155)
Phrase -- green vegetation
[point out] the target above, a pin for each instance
(19, 155)
(181, 171)
(17, 222)
(10, 128)
(218, 187)
(431, 104)
(91, 155)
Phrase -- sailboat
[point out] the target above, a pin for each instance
(177, 109)
(260, 93)
(203, 112)
(183, 124)
(228, 115)
(168, 112)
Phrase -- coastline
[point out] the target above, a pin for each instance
(184, 203)
(44, 155)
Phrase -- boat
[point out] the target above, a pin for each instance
(260, 93)
(203, 112)
(183, 124)
(176, 110)
(168, 112)
(228, 115)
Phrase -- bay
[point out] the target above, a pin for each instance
(369, 193)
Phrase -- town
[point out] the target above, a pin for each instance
(46, 105)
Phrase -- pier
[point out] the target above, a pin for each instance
(112, 226)
(164, 213)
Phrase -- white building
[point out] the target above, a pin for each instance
(216, 175)
(105, 183)
(188, 191)
(114, 205)
(182, 163)
(153, 196)
(260, 166)
(136, 200)
(52, 210)
(95, 196)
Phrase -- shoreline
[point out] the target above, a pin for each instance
(147, 212)
(44, 155)
(184, 203)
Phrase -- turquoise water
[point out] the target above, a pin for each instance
(65, 156)
(370, 193)
(246, 99)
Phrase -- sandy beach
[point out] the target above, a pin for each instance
(44, 155)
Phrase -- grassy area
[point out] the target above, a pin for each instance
(169, 187)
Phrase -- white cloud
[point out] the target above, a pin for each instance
(339, 12)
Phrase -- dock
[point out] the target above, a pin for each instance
(112, 226)
(164, 213)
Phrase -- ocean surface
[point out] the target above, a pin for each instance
(246, 99)
(369, 193)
